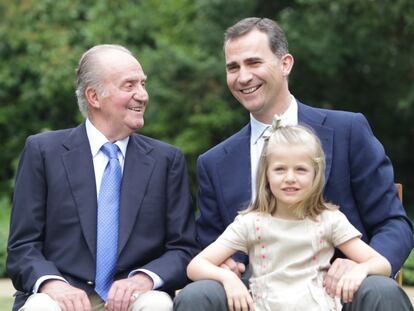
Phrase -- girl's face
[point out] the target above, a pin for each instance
(290, 174)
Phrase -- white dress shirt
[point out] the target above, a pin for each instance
(289, 117)
(100, 160)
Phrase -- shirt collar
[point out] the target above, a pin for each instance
(257, 129)
(97, 139)
(289, 117)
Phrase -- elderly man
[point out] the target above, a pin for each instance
(101, 216)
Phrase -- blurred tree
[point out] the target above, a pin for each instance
(38, 57)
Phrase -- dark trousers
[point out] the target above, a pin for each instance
(377, 293)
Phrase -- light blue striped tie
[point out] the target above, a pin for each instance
(108, 222)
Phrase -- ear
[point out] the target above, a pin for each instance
(287, 64)
(92, 97)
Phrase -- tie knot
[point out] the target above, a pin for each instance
(110, 150)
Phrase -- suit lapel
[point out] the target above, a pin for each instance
(234, 170)
(137, 171)
(78, 164)
(315, 118)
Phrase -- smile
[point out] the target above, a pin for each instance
(290, 189)
(136, 109)
(250, 90)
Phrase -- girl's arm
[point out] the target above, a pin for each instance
(369, 261)
(206, 266)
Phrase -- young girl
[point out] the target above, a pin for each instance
(289, 233)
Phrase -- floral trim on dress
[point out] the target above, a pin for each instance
(258, 288)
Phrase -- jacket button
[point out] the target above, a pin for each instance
(89, 282)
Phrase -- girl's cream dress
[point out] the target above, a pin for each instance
(289, 258)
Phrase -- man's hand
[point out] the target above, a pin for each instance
(237, 267)
(338, 268)
(350, 282)
(68, 297)
(238, 297)
(124, 292)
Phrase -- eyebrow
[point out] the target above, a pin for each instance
(136, 78)
(231, 64)
(253, 59)
(140, 77)
(247, 60)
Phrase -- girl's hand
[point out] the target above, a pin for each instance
(350, 282)
(238, 297)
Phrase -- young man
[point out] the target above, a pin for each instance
(359, 176)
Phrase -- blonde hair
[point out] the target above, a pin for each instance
(281, 137)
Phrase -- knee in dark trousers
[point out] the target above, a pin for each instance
(205, 295)
(379, 293)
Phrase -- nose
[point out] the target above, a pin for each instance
(141, 94)
(244, 75)
(290, 176)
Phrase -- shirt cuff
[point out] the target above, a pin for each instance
(45, 278)
(158, 282)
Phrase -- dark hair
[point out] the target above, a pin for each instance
(277, 39)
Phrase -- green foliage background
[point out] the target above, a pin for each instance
(349, 54)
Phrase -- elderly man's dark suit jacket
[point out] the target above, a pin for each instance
(53, 222)
(359, 178)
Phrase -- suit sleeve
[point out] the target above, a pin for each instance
(25, 260)
(390, 231)
(180, 244)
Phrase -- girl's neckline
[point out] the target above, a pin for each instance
(284, 219)
(317, 218)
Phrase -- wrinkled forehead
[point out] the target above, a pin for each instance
(118, 64)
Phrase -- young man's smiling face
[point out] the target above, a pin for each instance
(256, 77)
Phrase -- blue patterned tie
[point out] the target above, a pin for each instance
(108, 220)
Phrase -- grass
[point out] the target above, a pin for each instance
(6, 303)
(408, 270)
